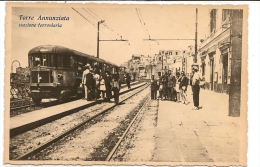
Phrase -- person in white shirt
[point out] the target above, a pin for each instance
(195, 87)
(84, 81)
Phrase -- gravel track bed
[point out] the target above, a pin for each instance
(28, 101)
(84, 144)
(139, 143)
(30, 140)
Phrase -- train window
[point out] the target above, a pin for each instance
(37, 60)
(53, 60)
(44, 60)
(66, 61)
(72, 62)
(59, 60)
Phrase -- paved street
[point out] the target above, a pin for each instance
(205, 135)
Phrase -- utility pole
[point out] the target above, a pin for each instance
(102, 21)
(98, 40)
(162, 62)
(196, 36)
(236, 27)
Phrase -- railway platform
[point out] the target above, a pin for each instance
(205, 135)
(36, 118)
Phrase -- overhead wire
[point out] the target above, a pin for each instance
(105, 25)
(90, 22)
(141, 19)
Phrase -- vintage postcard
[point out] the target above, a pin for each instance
(126, 84)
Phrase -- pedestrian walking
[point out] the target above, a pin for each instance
(108, 81)
(102, 87)
(154, 88)
(177, 87)
(84, 79)
(116, 86)
(184, 81)
(195, 87)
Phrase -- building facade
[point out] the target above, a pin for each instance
(219, 55)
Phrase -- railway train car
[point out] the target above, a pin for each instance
(56, 71)
(122, 73)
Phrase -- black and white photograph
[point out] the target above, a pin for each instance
(126, 84)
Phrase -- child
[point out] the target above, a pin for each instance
(102, 87)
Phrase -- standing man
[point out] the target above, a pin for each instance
(183, 87)
(195, 87)
(108, 81)
(177, 87)
(170, 86)
(84, 79)
(116, 86)
(154, 88)
(91, 83)
(127, 80)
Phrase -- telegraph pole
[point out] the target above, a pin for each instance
(102, 21)
(196, 36)
(98, 40)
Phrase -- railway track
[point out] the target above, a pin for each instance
(32, 107)
(112, 152)
(72, 129)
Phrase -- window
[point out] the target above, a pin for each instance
(160, 58)
(41, 60)
(225, 14)
(170, 53)
(176, 53)
(213, 20)
(59, 60)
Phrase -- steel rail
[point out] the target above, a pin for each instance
(126, 131)
(27, 127)
(46, 103)
(51, 141)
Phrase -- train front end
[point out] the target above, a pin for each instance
(51, 72)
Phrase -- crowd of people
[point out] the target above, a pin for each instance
(174, 87)
(101, 86)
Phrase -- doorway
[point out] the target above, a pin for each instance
(212, 74)
(225, 72)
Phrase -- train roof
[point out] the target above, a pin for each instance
(63, 50)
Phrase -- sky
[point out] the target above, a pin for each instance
(133, 22)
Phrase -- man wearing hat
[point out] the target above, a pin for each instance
(195, 87)
(154, 88)
(108, 81)
(84, 79)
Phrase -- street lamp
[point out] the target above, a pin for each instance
(102, 21)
